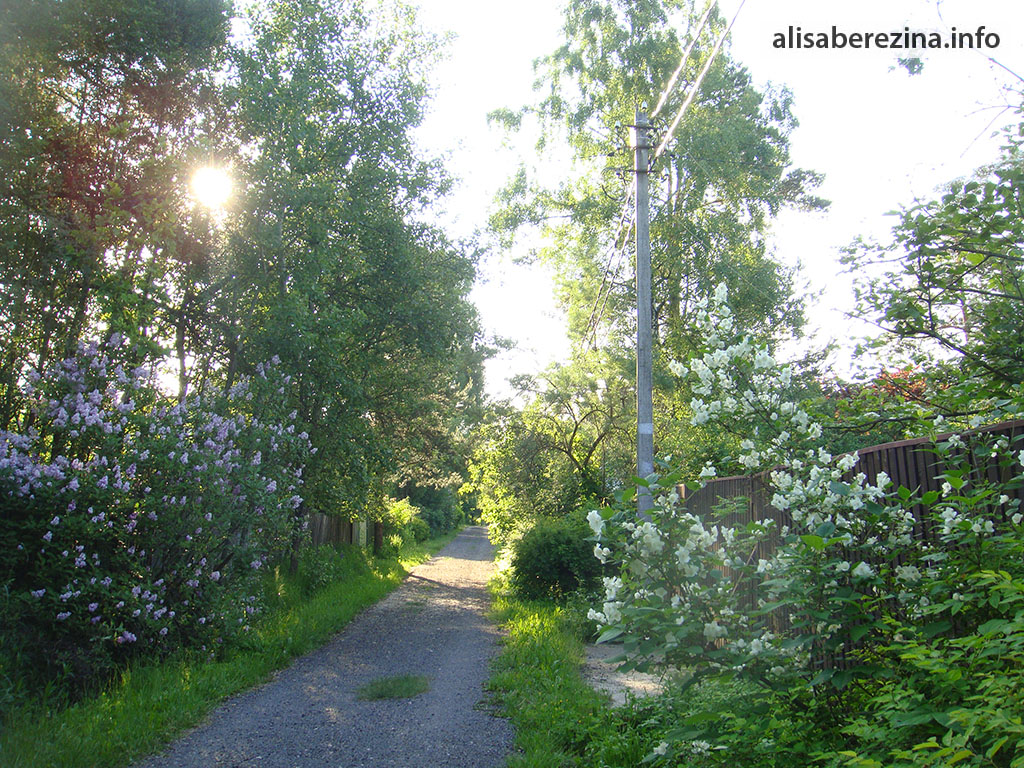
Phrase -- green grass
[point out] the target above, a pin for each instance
(536, 683)
(561, 722)
(401, 687)
(151, 703)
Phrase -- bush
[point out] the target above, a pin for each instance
(321, 566)
(417, 529)
(554, 558)
(130, 524)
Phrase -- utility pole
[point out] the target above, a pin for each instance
(644, 362)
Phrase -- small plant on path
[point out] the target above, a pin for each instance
(400, 687)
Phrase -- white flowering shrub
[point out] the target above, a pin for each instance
(861, 578)
(134, 524)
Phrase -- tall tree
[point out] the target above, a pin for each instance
(726, 173)
(327, 264)
(97, 100)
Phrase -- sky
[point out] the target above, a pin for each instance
(881, 137)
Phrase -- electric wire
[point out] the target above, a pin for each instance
(663, 99)
(623, 226)
(696, 86)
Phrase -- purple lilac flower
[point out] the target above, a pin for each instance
(38, 593)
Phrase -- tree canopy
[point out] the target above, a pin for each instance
(322, 257)
(713, 195)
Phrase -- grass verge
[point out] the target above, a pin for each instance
(537, 684)
(151, 703)
(561, 722)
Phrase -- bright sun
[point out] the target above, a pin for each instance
(211, 187)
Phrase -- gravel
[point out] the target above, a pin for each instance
(435, 625)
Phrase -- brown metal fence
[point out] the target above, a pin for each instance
(909, 463)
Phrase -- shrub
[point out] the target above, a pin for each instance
(321, 566)
(554, 558)
(131, 524)
(417, 529)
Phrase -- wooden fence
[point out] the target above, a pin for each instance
(330, 529)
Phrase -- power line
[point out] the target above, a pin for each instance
(682, 62)
(696, 85)
(624, 225)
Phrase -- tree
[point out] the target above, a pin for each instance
(947, 290)
(98, 100)
(714, 193)
(326, 264)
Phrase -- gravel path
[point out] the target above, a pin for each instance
(308, 715)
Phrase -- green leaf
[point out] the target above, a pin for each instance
(814, 542)
(826, 529)
(858, 632)
(822, 677)
(960, 756)
(936, 628)
(992, 626)
(991, 751)
(839, 489)
(609, 634)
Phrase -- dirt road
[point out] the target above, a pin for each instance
(308, 716)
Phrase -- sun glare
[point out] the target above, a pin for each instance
(211, 187)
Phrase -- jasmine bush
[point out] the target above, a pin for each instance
(871, 643)
(133, 524)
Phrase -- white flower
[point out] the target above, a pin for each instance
(863, 571)
(908, 573)
(714, 630)
(661, 749)
(612, 585)
(721, 293)
(763, 360)
(596, 521)
(700, 747)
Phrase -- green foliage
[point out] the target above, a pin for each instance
(949, 287)
(320, 567)
(554, 558)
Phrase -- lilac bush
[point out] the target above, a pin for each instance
(132, 523)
